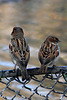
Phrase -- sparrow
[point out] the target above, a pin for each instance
(49, 52)
(19, 51)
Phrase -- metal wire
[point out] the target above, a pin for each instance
(40, 83)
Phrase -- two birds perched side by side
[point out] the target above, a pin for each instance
(20, 53)
(49, 52)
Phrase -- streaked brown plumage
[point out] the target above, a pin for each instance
(19, 51)
(49, 52)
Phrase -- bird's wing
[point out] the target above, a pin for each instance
(51, 57)
(20, 50)
(48, 52)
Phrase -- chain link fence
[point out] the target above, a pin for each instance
(46, 85)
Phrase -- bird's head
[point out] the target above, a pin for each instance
(17, 32)
(53, 39)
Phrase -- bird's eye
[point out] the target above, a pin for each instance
(54, 39)
(14, 29)
(21, 30)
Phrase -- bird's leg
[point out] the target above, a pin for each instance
(24, 74)
(15, 67)
(16, 70)
(41, 69)
(52, 71)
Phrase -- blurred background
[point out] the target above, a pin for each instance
(39, 19)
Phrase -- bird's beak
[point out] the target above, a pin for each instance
(59, 40)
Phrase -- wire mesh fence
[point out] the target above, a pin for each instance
(25, 91)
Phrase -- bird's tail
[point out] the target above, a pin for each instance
(24, 74)
(43, 67)
(23, 69)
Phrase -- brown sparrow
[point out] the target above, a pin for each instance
(49, 52)
(19, 51)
